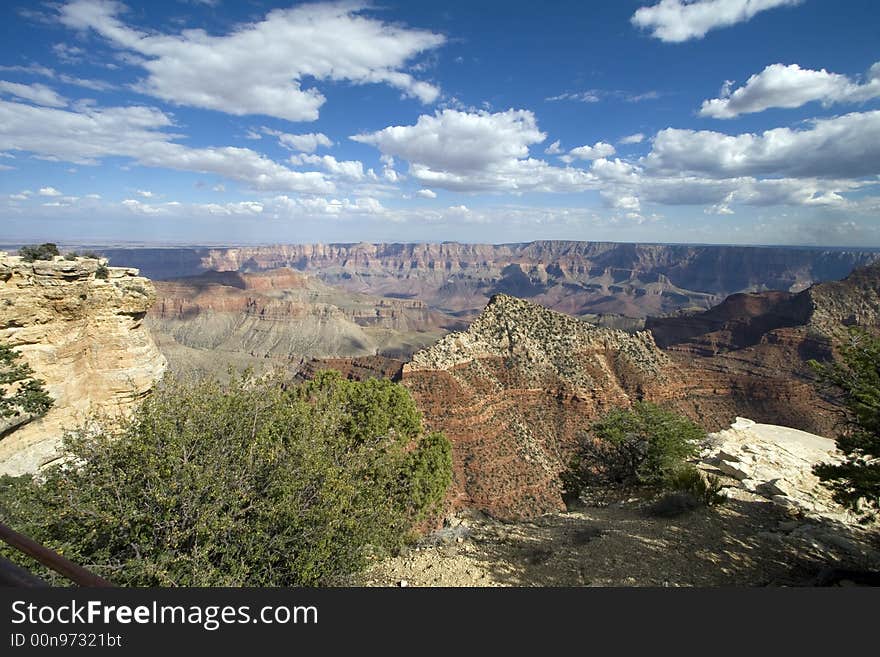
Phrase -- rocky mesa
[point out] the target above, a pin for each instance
(513, 391)
(83, 335)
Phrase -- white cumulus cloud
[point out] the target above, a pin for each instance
(259, 67)
(317, 205)
(462, 141)
(636, 138)
(791, 86)
(475, 151)
(680, 20)
(304, 143)
(846, 146)
(597, 151)
(349, 169)
(87, 135)
(554, 149)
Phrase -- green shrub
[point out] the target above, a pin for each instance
(25, 394)
(856, 378)
(643, 445)
(71, 255)
(251, 482)
(91, 255)
(102, 272)
(705, 488)
(46, 251)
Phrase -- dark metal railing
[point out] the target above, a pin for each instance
(13, 575)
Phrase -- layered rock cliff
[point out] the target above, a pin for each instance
(578, 278)
(513, 392)
(748, 356)
(287, 315)
(84, 336)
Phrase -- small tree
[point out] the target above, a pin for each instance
(25, 393)
(643, 445)
(856, 481)
(46, 251)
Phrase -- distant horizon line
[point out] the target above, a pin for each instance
(123, 244)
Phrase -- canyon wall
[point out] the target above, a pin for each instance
(515, 390)
(578, 278)
(84, 336)
(749, 355)
(277, 316)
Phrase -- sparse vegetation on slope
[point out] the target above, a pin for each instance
(251, 482)
(46, 251)
(25, 394)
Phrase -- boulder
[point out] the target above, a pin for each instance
(734, 469)
(776, 463)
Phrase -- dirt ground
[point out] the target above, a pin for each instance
(744, 542)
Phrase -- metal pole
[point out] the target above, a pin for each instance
(51, 559)
(12, 574)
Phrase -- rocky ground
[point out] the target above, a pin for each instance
(777, 527)
(740, 543)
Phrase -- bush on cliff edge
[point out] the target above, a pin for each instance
(251, 482)
(643, 445)
(856, 376)
(46, 251)
(20, 392)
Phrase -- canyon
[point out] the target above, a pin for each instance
(597, 279)
(514, 381)
(750, 354)
(281, 316)
(517, 390)
(285, 304)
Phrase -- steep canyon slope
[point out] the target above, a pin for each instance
(514, 390)
(282, 315)
(748, 355)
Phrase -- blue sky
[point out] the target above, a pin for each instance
(221, 121)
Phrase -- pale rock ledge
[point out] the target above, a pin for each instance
(84, 337)
(776, 463)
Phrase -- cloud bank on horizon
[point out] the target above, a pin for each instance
(174, 121)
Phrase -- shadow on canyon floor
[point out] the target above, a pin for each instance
(741, 543)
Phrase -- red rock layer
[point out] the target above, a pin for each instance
(513, 393)
(749, 356)
(355, 369)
